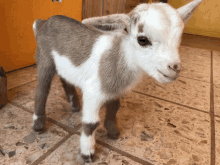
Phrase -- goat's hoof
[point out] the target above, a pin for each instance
(113, 134)
(39, 124)
(75, 109)
(87, 158)
(112, 131)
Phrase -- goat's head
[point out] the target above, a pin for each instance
(155, 32)
(154, 35)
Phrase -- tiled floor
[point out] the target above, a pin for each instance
(172, 124)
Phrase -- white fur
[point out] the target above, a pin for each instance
(86, 77)
(71, 100)
(34, 27)
(35, 117)
(87, 144)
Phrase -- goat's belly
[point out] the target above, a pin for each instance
(65, 69)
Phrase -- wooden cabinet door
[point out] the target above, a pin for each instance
(93, 8)
(17, 44)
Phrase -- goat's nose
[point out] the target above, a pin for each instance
(176, 67)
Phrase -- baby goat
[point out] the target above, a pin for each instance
(103, 64)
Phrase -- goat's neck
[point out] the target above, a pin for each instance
(129, 53)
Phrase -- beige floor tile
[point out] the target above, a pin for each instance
(161, 132)
(67, 153)
(151, 129)
(21, 76)
(196, 63)
(195, 72)
(17, 140)
(22, 94)
(183, 91)
(57, 106)
(195, 56)
(216, 68)
(217, 140)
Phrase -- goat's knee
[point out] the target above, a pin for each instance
(87, 141)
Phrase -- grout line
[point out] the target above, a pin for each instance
(218, 116)
(57, 145)
(132, 157)
(22, 85)
(70, 130)
(20, 68)
(170, 102)
(21, 107)
(73, 131)
(194, 79)
(212, 114)
(63, 126)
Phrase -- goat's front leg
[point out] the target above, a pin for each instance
(90, 121)
(110, 119)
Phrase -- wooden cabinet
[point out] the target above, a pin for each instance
(92, 8)
(17, 44)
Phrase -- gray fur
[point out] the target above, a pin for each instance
(110, 119)
(58, 32)
(114, 73)
(89, 128)
(38, 125)
(61, 33)
(39, 24)
(71, 95)
(110, 22)
(140, 28)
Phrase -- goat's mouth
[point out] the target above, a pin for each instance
(170, 78)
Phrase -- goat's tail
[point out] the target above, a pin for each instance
(38, 23)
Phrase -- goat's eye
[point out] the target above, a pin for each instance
(143, 41)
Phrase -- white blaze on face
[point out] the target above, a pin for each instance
(163, 28)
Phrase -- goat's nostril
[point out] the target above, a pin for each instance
(175, 67)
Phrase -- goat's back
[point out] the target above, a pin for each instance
(67, 36)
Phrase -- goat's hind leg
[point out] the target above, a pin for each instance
(46, 71)
(71, 95)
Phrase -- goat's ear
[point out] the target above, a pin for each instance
(187, 10)
(110, 22)
(134, 16)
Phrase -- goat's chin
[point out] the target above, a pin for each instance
(162, 79)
